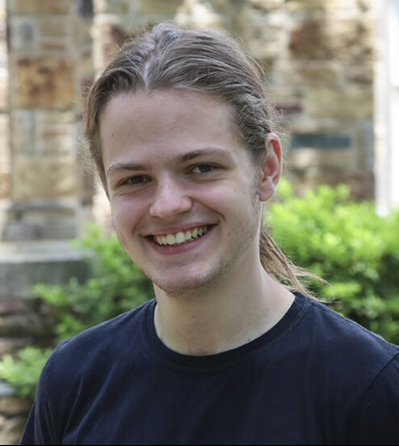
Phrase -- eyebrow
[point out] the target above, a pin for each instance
(176, 160)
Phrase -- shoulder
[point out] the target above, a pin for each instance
(356, 355)
(344, 346)
(353, 370)
(336, 330)
(79, 368)
(99, 346)
(375, 418)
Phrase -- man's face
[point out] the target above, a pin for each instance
(153, 190)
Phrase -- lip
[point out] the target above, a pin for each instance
(177, 229)
(170, 250)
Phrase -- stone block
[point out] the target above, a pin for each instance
(54, 27)
(116, 7)
(360, 74)
(13, 306)
(303, 5)
(85, 9)
(43, 210)
(365, 145)
(309, 40)
(320, 74)
(12, 430)
(14, 406)
(4, 205)
(55, 36)
(41, 6)
(222, 6)
(4, 145)
(333, 36)
(5, 186)
(23, 132)
(307, 159)
(12, 346)
(194, 13)
(3, 56)
(5, 390)
(44, 178)
(16, 231)
(23, 34)
(344, 104)
(56, 133)
(41, 132)
(297, 72)
(3, 24)
(264, 34)
(266, 5)
(25, 264)
(21, 326)
(366, 5)
(156, 7)
(353, 38)
(361, 184)
(288, 99)
(53, 46)
(3, 92)
(321, 141)
(44, 83)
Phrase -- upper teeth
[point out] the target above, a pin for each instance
(181, 237)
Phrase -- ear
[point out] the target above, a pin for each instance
(272, 167)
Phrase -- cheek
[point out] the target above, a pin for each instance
(234, 204)
(126, 214)
(218, 201)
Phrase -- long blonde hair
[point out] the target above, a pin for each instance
(168, 57)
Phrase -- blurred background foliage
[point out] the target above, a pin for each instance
(350, 246)
(344, 242)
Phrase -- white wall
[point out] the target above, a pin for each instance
(387, 108)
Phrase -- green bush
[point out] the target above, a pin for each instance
(117, 285)
(346, 243)
(24, 374)
(350, 246)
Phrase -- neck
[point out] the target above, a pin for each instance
(245, 306)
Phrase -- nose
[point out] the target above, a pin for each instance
(170, 200)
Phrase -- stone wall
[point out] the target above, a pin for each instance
(13, 415)
(23, 320)
(20, 327)
(4, 150)
(17, 328)
(319, 57)
(50, 55)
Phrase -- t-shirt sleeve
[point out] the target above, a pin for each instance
(39, 427)
(376, 419)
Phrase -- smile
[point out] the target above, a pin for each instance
(176, 244)
(181, 238)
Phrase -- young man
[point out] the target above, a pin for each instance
(182, 135)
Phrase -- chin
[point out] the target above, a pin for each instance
(179, 287)
(188, 287)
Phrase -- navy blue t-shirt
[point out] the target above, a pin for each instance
(315, 378)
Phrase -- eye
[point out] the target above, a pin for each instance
(134, 181)
(205, 168)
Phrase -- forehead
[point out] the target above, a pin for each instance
(152, 127)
